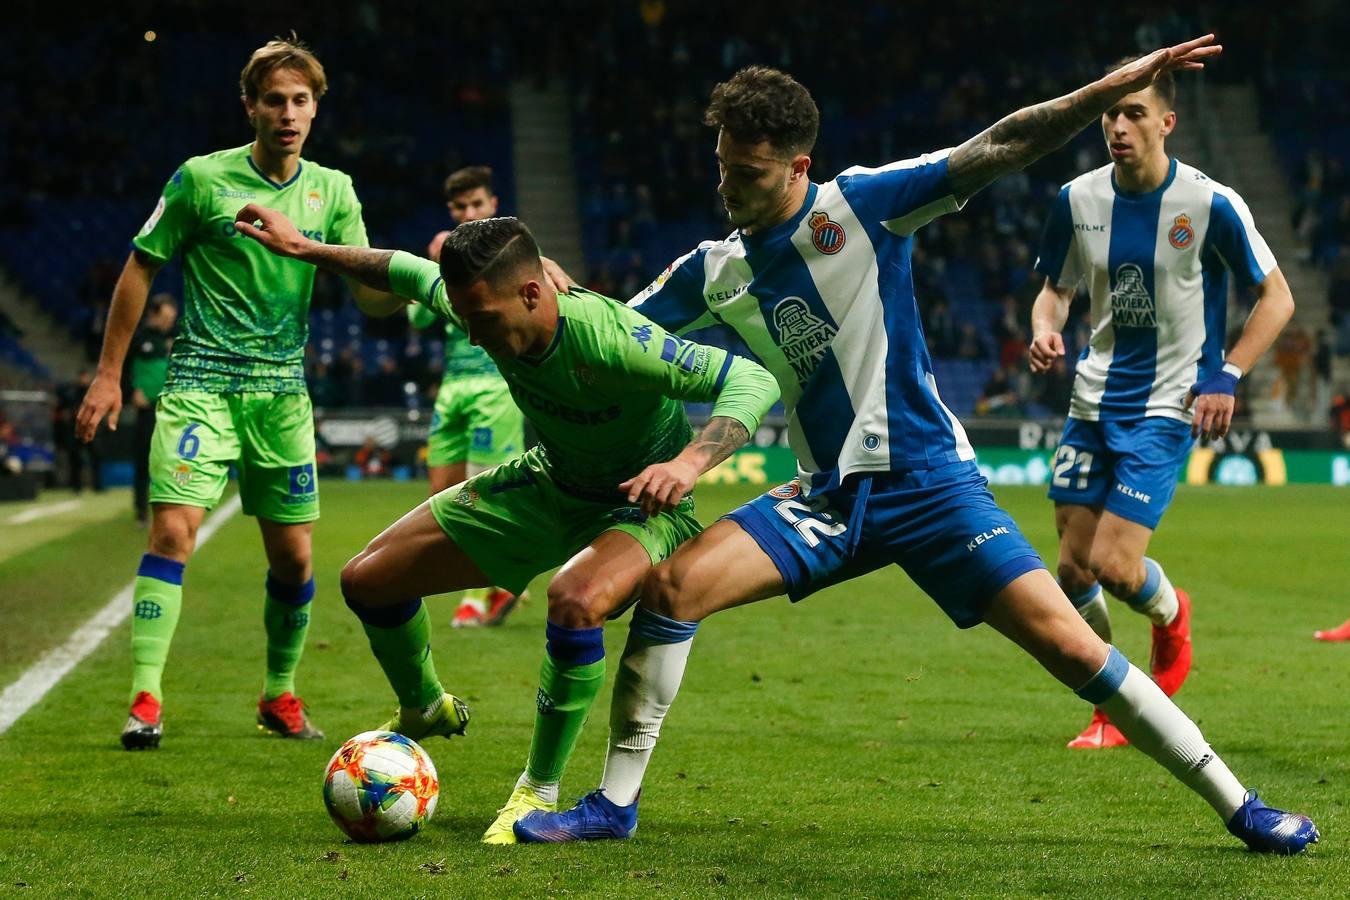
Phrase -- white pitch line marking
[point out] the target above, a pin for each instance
(42, 512)
(55, 664)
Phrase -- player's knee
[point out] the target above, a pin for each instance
(1118, 574)
(1073, 578)
(661, 592)
(172, 537)
(576, 603)
(291, 567)
(357, 583)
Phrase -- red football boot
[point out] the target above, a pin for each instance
(286, 716)
(1170, 661)
(145, 725)
(1099, 735)
(1339, 633)
(499, 605)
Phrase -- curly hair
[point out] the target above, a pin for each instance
(763, 104)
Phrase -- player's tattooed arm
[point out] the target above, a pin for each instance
(662, 486)
(720, 438)
(276, 232)
(1017, 140)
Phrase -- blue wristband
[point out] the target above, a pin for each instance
(1223, 381)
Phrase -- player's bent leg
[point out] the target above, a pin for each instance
(721, 568)
(287, 605)
(157, 603)
(383, 585)
(1032, 612)
(599, 579)
(1077, 527)
(1119, 560)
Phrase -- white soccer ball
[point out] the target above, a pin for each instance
(380, 786)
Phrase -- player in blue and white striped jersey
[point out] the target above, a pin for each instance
(816, 280)
(1155, 240)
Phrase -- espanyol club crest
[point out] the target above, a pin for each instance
(827, 236)
(314, 201)
(786, 491)
(1181, 233)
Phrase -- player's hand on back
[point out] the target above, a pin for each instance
(1044, 350)
(1183, 57)
(560, 280)
(271, 229)
(434, 248)
(661, 486)
(103, 398)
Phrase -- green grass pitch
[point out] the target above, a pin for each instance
(856, 744)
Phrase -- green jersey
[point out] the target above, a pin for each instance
(461, 357)
(605, 395)
(245, 311)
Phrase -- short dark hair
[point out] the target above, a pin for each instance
(763, 104)
(466, 179)
(491, 249)
(157, 302)
(1165, 85)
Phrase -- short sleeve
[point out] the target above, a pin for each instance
(675, 299)
(1056, 260)
(173, 219)
(1233, 236)
(904, 196)
(420, 279)
(348, 228)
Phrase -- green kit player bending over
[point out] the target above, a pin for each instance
(605, 494)
(235, 393)
(476, 425)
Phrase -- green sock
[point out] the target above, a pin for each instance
(566, 691)
(286, 618)
(157, 601)
(404, 653)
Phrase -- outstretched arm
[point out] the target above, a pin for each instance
(1017, 140)
(367, 266)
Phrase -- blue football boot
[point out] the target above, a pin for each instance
(594, 818)
(1267, 830)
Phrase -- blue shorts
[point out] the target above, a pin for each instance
(1130, 467)
(940, 525)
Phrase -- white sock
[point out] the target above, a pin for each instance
(1091, 605)
(546, 790)
(650, 672)
(1157, 599)
(1155, 725)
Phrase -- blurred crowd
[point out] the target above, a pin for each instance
(410, 106)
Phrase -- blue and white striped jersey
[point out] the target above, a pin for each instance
(826, 301)
(1157, 268)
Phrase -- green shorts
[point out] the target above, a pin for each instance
(515, 522)
(268, 438)
(475, 421)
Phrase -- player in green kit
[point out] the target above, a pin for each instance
(605, 494)
(476, 425)
(235, 392)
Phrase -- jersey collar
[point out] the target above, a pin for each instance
(277, 185)
(782, 229)
(552, 345)
(1147, 195)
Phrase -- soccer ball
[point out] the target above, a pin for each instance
(380, 786)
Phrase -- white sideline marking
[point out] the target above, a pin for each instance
(43, 675)
(42, 512)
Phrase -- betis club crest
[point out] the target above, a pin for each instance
(826, 235)
(1181, 234)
